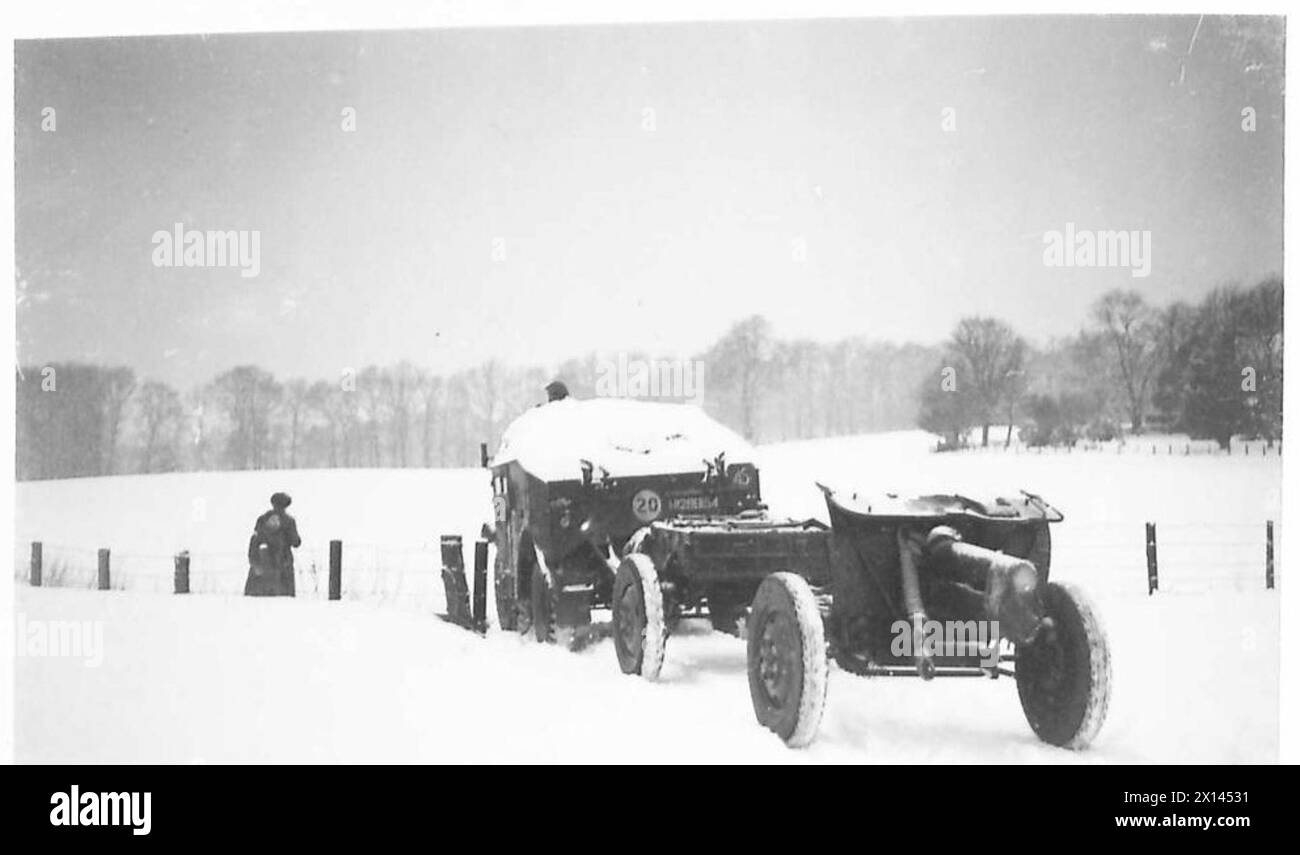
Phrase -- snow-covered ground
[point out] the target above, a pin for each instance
(215, 677)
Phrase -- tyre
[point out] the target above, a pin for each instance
(503, 585)
(523, 619)
(543, 607)
(636, 541)
(1063, 675)
(638, 612)
(787, 659)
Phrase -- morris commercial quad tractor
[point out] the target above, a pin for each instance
(577, 484)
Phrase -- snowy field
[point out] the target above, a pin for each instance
(215, 678)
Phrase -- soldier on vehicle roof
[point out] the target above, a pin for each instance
(556, 391)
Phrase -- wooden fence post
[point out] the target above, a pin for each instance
(103, 570)
(1268, 555)
(35, 578)
(1153, 575)
(454, 584)
(336, 570)
(182, 575)
(480, 585)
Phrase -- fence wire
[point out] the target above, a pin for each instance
(1104, 557)
(408, 577)
(1190, 557)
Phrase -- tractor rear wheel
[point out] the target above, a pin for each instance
(543, 607)
(787, 659)
(640, 632)
(1063, 675)
(523, 619)
(503, 586)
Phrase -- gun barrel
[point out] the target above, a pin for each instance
(968, 562)
(1010, 584)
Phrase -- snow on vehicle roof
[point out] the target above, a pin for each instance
(623, 436)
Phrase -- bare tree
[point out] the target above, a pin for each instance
(487, 383)
(339, 410)
(428, 390)
(372, 392)
(119, 384)
(991, 356)
(740, 362)
(297, 403)
(1129, 327)
(161, 416)
(400, 390)
(248, 395)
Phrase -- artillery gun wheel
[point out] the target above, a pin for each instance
(787, 659)
(638, 617)
(1063, 675)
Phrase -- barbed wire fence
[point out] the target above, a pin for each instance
(1129, 446)
(1174, 557)
(1120, 558)
(402, 576)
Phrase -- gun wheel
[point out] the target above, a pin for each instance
(1063, 675)
(787, 659)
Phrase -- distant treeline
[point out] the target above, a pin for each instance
(76, 419)
(1212, 370)
(1182, 366)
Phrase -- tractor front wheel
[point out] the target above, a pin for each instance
(1063, 675)
(787, 659)
(640, 632)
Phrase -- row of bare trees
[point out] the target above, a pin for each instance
(771, 389)
(1212, 370)
(76, 419)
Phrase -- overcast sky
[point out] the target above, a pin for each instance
(646, 185)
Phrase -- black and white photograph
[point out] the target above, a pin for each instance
(742, 390)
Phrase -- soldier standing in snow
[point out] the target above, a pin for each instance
(270, 551)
